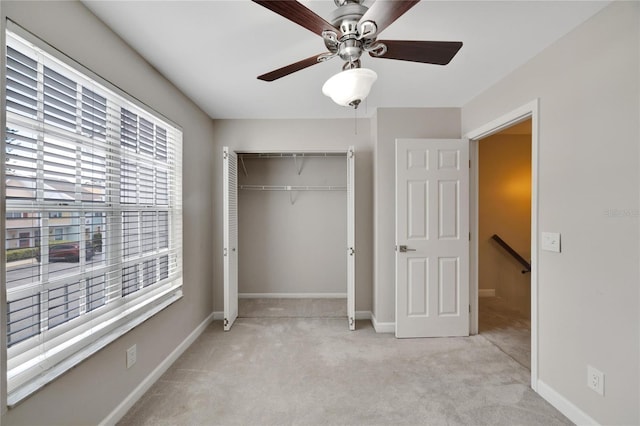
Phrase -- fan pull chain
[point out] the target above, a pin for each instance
(355, 120)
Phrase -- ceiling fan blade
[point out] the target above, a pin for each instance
(385, 12)
(289, 69)
(428, 52)
(300, 14)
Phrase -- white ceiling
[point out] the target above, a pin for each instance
(213, 51)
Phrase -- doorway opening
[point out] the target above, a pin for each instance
(529, 111)
(288, 250)
(292, 238)
(504, 240)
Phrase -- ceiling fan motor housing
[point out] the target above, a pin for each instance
(346, 18)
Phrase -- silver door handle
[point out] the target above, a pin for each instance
(404, 249)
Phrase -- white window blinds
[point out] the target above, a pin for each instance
(93, 213)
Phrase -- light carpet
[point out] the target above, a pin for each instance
(506, 328)
(292, 308)
(314, 371)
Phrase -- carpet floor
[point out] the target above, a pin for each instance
(506, 328)
(292, 308)
(313, 371)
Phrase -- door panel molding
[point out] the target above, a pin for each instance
(432, 222)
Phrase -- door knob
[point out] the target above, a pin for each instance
(404, 249)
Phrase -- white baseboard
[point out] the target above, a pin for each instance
(382, 327)
(360, 315)
(363, 315)
(562, 404)
(486, 292)
(292, 295)
(118, 413)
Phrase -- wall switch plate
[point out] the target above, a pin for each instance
(551, 241)
(132, 356)
(595, 380)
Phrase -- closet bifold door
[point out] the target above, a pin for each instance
(351, 239)
(230, 237)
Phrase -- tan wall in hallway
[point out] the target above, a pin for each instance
(505, 209)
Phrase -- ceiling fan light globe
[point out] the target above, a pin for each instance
(350, 87)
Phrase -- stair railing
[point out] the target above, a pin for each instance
(513, 253)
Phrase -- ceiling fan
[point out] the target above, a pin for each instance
(353, 29)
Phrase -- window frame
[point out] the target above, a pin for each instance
(150, 300)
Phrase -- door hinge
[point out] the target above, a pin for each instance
(469, 163)
(226, 322)
(469, 236)
(351, 322)
(469, 308)
(224, 155)
(224, 252)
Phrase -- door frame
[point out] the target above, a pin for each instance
(529, 110)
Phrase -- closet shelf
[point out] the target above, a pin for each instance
(293, 155)
(291, 188)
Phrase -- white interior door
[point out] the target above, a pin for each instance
(432, 238)
(230, 238)
(351, 239)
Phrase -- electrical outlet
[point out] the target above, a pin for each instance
(131, 356)
(595, 380)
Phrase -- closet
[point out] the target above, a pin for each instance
(289, 226)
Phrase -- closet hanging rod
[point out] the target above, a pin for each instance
(295, 154)
(292, 188)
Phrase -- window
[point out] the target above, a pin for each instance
(24, 239)
(93, 213)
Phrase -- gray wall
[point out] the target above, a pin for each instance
(274, 135)
(293, 248)
(588, 86)
(89, 392)
(391, 124)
